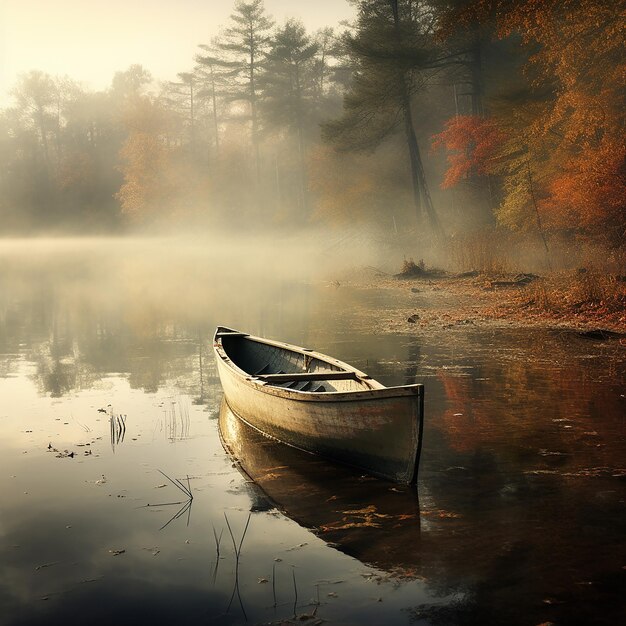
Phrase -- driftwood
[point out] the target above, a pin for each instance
(520, 280)
(599, 334)
(417, 272)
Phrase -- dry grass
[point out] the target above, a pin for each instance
(486, 251)
(585, 295)
(409, 266)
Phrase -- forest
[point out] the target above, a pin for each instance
(492, 121)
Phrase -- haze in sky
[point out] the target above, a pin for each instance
(90, 41)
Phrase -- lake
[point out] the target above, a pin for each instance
(108, 394)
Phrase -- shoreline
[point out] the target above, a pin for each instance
(441, 301)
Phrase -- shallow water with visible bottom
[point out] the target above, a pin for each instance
(108, 395)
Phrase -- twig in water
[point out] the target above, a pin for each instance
(83, 426)
(245, 530)
(230, 530)
(183, 487)
(295, 589)
(232, 536)
(179, 485)
(186, 507)
(218, 540)
(274, 583)
(237, 555)
(145, 506)
(118, 429)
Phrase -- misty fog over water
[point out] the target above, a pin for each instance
(107, 379)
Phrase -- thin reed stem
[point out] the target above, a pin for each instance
(179, 485)
(274, 583)
(295, 589)
(218, 540)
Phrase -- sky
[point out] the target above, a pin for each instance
(90, 40)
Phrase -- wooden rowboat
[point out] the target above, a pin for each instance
(321, 405)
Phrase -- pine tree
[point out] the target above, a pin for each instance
(391, 49)
(289, 84)
(243, 48)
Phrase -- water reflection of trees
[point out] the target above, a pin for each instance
(149, 362)
(81, 315)
(560, 416)
(485, 538)
(528, 451)
(520, 484)
(75, 342)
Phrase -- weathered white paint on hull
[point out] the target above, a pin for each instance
(376, 430)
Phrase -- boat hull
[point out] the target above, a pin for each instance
(377, 431)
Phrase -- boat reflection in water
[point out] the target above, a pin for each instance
(367, 518)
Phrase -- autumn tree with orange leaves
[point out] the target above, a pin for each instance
(472, 143)
(558, 147)
(144, 162)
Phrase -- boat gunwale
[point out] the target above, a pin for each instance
(374, 393)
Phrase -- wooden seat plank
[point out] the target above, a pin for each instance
(283, 378)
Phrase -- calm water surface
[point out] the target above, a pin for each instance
(107, 383)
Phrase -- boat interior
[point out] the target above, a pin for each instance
(289, 369)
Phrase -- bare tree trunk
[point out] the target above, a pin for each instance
(215, 124)
(420, 187)
(303, 173)
(409, 132)
(44, 139)
(255, 142)
(476, 71)
(485, 197)
(531, 189)
(278, 189)
(421, 194)
(255, 123)
(192, 117)
(301, 148)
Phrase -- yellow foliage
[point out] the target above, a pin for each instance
(356, 188)
(563, 161)
(145, 160)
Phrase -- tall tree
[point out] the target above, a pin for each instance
(144, 163)
(580, 56)
(563, 164)
(464, 36)
(36, 97)
(211, 75)
(130, 83)
(63, 177)
(244, 44)
(390, 48)
(289, 83)
(330, 71)
(181, 96)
